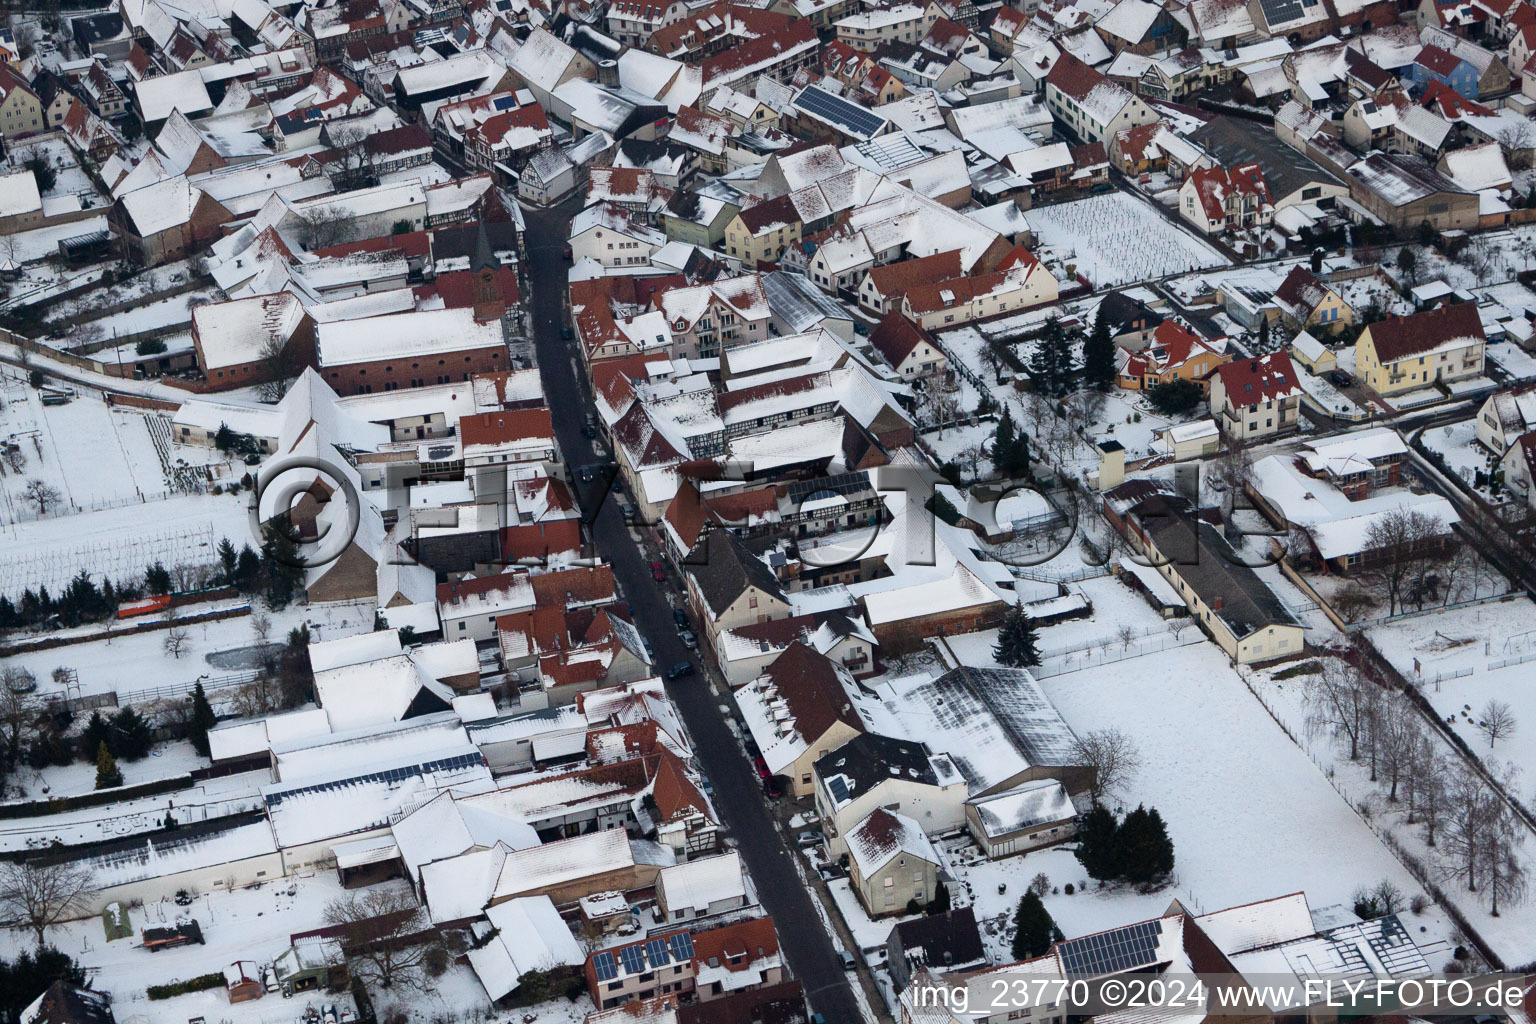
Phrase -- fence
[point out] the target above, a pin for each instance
(210, 684)
(1110, 653)
(1411, 863)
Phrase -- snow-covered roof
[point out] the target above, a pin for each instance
(530, 936)
(1013, 810)
(697, 884)
(884, 835)
(18, 194)
(402, 335)
(184, 91)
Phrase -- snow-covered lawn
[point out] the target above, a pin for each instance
(1482, 639)
(1116, 238)
(69, 179)
(1512, 935)
(165, 760)
(1232, 787)
(1512, 359)
(1457, 444)
(90, 453)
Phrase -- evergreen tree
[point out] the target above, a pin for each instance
(224, 440)
(229, 560)
(131, 737)
(280, 560)
(1146, 852)
(940, 902)
(94, 735)
(202, 720)
(1317, 261)
(1099, 354)
(1050, 365)
(8, 617)
(248, 570)
(157, 579)
(1264, 334)
(107, 774)
(1016, 643)
(1176, 396)
(1098, 843)
(30, 974)
(1003, 440)
(1033, 928)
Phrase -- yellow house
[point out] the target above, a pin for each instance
(1306, 304)
(1406, 353)
(798, 711)
(1176, 353)
(20, 111)
(761, 233)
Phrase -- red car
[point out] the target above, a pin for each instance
(762, 767)
(658, 572)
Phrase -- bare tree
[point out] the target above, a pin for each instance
(261, 696)
(1113, 757)
(1403, 544)
(1471, 811)
(41, 495)
(278, 370)
(351, 163)
(1396, 726)
(383, 934)
(1126, 634)
(18, 707)
(324, 225)
(177, 639)
(1232, 470)
(41, 895)
(1503, 870)
(1497, 721)
(1342, 702)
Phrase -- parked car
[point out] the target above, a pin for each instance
(689, 640)
(588, 431)
(811, 838)
(1340, 379)
(586, 474)
(658, 572)
(680, 617)
(705, 785)
(762, 767)
(628, 511)
(566, 252)
(771, 789)
(845, 958)
(681, 670)
(565, 334)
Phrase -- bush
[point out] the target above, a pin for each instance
(1068, 889)
(201, 983)
(149, 346)
(1174, 397)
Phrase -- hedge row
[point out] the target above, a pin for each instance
(96, 798)
(180, 988)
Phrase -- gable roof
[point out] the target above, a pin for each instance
(1265, 379)
(881, 837)
(1399, 337)
(723, 569)
(896, 337)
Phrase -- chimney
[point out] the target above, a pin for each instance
(1216, 603)
(608, 73)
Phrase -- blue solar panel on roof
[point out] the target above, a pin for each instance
(682, 946)
(839, 111)
(604, 967)
(656, 952)
(838, 787)
(1110, 952)
(634, 959)
(503, 102)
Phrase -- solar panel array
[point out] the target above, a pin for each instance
(1110, 952)
(656, 952)
(633, 958)
(682, 946)
(1278, 12)
(850, 116)
(604, 967)
(845, 483)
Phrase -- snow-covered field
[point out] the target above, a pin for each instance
(89, 452)
(1115, 239)
(121, 542)
(128, 663)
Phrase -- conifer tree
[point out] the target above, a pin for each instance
(1033, 928)
(107, 774)
(1016, 643)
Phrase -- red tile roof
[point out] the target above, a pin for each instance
(505, 425)
(1398, 337)
(1266, 379)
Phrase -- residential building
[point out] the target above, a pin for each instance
(1254, 398)
(891, 863)
(1435, 348)
(1091, 106)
